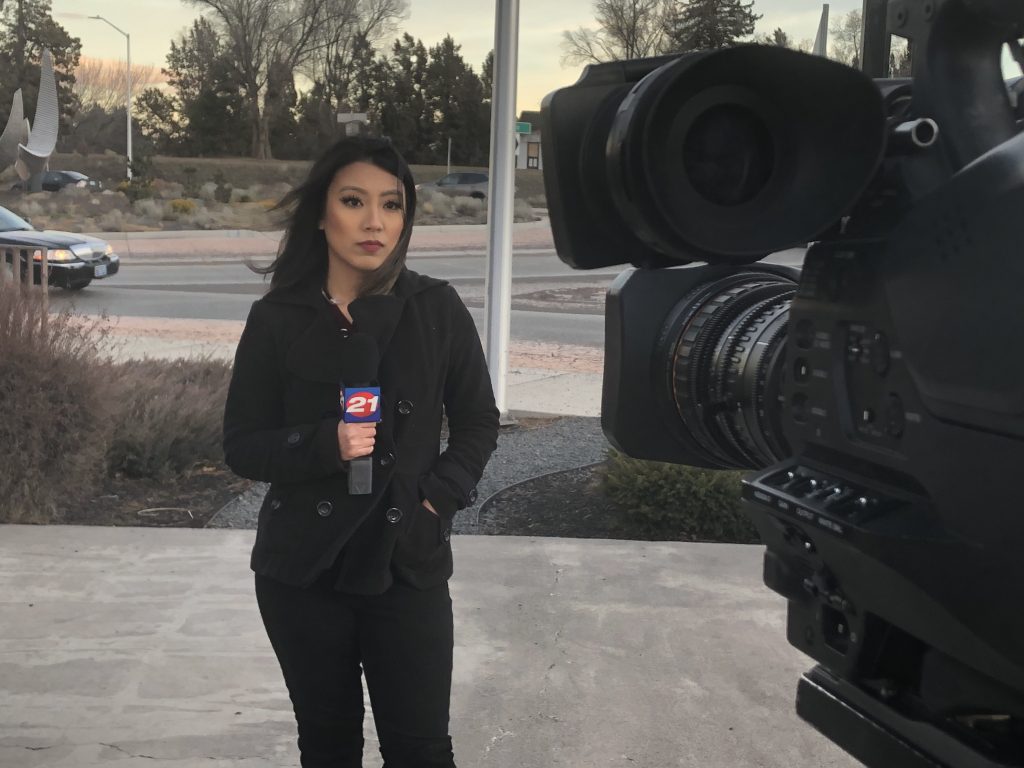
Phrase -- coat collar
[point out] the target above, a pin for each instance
(318, 352)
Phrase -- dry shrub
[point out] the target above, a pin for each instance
(469, 206)
(55, 407)
(148, 209)
(168, 190)
(111, 221)
(521, 211)
(169, 416)
(182, 206)
(201, 218)
(208, 191)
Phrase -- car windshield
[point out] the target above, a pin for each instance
(75, 175)
(9, 222)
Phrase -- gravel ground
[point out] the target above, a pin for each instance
(535, 447)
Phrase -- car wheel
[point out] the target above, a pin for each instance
(79, 286)
(478, 196)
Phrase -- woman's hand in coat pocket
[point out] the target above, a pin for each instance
(355, 440)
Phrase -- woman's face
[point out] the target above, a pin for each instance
(363, 218)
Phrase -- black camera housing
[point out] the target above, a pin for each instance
(877, 393)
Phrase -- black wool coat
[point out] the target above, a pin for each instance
(281, 419)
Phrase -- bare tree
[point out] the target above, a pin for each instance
(270, 40)
(102, 82)
(370, 20)
(627, 29)
(845, 38)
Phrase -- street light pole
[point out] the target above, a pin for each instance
(128, 104)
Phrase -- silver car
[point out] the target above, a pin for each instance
(462, 184)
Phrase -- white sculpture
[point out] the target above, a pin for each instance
(15, 133)
(34, 154)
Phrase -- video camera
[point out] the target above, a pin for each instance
(878, 392)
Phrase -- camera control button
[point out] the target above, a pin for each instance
(880, 354)
(801, 370)
(895, 416)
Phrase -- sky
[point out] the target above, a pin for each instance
(152, 25)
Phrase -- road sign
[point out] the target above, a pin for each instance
(526, 128)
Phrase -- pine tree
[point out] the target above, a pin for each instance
(695, 25)
(455, 97)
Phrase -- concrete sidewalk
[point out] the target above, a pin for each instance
(135, 647)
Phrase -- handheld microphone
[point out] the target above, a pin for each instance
(360, 402)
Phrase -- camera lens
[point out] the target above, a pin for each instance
(729, 154)
(726, 345)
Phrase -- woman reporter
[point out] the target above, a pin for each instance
(358, 583)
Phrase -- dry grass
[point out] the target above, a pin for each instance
(69, 417)
(169, 416)
(55, 407)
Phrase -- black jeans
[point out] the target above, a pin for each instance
(402, 639)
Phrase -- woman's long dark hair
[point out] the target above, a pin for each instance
(302, 258)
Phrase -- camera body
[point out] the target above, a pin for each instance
(877, 392)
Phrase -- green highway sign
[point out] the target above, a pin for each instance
(524, 128)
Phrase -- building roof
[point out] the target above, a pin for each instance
(531, 117)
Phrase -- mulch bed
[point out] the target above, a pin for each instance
(187, 501)
(568, 504)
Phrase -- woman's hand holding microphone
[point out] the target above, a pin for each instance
(356, 439)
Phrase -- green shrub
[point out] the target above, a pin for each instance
(169, 416)
(182, 206)
(55, 407)
(677, 502)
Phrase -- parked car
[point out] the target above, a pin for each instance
(463, 184)
(54, 181)
(74, 260)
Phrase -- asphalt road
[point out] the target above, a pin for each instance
(225, 291)
(552, 303)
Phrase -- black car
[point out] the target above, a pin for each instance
(74, 260)
(54, 181)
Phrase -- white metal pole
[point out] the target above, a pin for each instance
(500, 198)
(449, 154)
(128, 38)
(128, 105)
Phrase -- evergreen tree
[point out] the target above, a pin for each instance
(401, 109)
(455, 97)
(207, 108)
(487, 76)
(695, 25)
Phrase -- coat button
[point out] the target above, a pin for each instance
(324, 508)
(393, 515)
(405, 407)
(387, 459)
(472, 496)
(446, 534)
(275, 504)
(294, 438)
(345, 333)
